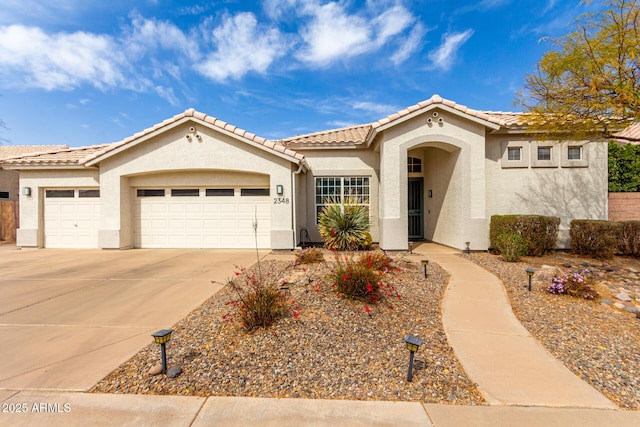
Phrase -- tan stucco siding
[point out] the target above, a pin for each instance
(31, 231)
(567, 192)
(339, 163)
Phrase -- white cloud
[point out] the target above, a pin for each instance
(372, 107)
(334, 34)
(242, 46)
(147, 35)
(409, 45)
(30, 57)
(445, 54)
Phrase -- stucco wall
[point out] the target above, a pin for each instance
(188, 162)
(338, 163)
(454, 160)
(31, 231)
(624, 206)
(567, 192)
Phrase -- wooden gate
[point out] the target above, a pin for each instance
(9, 220)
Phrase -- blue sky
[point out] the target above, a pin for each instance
(84, 72)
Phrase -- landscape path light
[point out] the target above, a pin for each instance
(468, 247)
(413, 344)
(411, 248)
(162, 337)
(530, 272)
(425, 263)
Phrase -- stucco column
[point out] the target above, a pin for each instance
(394, 233)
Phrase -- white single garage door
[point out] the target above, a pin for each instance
(71, 218)
(201, 217)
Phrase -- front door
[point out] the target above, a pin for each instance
(416, 208)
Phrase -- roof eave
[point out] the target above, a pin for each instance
(147, 136)
(376, 130)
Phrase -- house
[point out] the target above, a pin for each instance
(436, 170)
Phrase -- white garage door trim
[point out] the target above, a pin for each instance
(71, 217)
(201, 217)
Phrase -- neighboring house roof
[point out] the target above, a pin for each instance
(61, 157)
(11, 151)
(187, 115)
(631, 134)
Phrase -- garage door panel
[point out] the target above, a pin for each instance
(71, 222)
(201, 222)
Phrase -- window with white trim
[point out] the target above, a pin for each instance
(332, 190)
(414, 165)
(544, 153)
(574, 152)
(514, 153)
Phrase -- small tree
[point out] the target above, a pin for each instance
(624, 168)
(590, 83)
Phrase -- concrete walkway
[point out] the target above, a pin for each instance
(496, 351)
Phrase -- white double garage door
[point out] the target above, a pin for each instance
(165, 218)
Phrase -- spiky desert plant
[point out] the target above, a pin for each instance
(344, 225)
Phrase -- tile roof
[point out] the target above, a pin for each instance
(10, 151)
(61, 157)
(631, 134)
(347, 135)
(214, 122)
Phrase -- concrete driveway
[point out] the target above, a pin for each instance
(69, 317)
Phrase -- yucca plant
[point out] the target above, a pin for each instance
(344, 225)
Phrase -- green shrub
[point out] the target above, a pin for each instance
(360, 279)
(259, 303)
(596, 238)
(309, 256)
(630, 238)
(345, 226)
(511, 246)
(540, 233)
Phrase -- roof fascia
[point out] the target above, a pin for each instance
(181, 121)
(414, 114)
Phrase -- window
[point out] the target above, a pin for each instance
(88, 193)
(331, 190)
(544, 153)
(59, 193)
(574, 153)
(514, 153)
(4, 194)
(414, 165)
(185, 192)
(220, 192)
(254, 191)
(150, 193)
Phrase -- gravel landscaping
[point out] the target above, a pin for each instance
(332, 349)
(598, 340)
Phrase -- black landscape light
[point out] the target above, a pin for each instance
(413, 344)
(530, 272)
(411, 248)
(162, 337)
(425, 263)
(468, 247)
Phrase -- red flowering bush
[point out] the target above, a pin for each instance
(260, 303)
(362, 279)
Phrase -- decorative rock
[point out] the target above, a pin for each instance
(156, 369)
(623, 297)
(619, 305)
(606, 301)
(174, 371)
(566, 265)
(631, 309)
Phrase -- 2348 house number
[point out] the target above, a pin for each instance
(280, 200)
